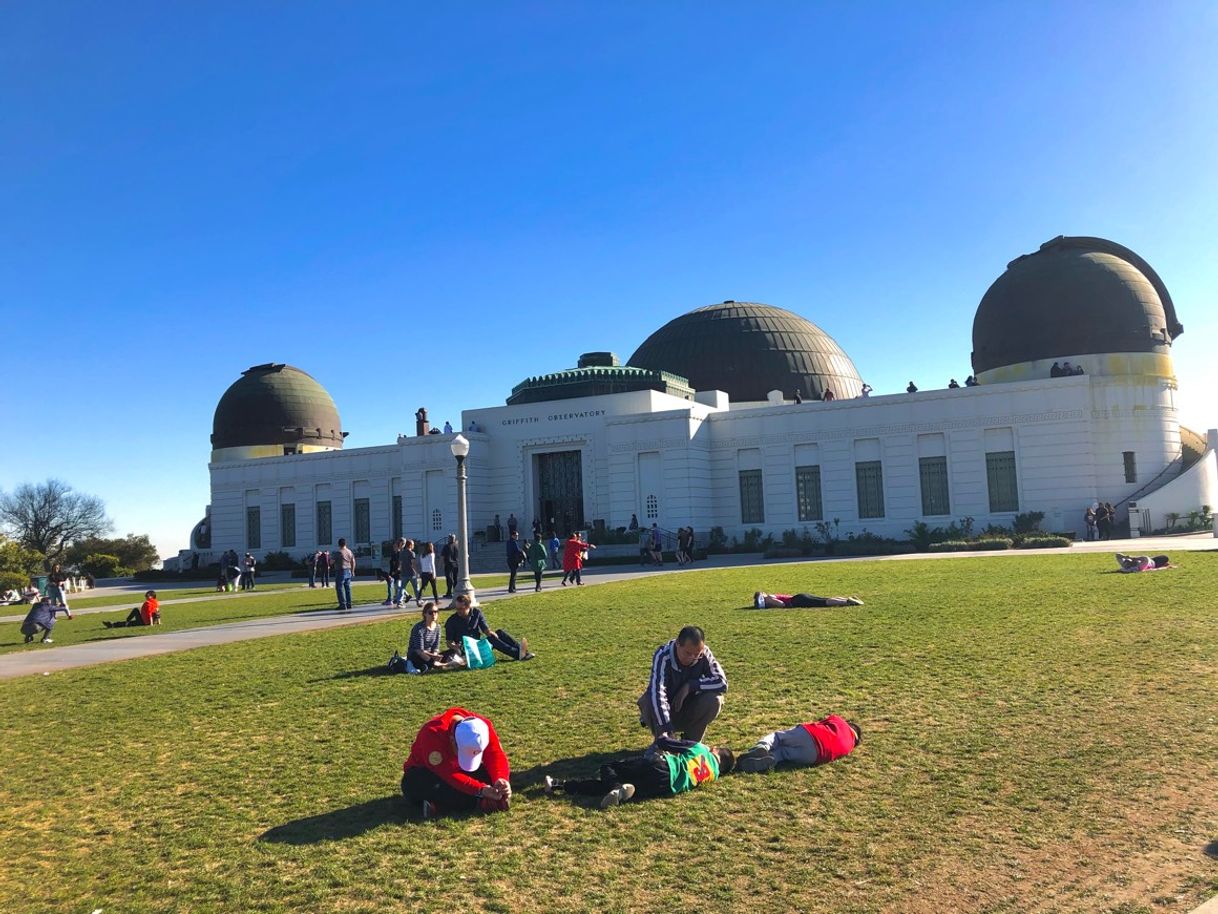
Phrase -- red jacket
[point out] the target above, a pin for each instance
(833, 738)
(433, 749)
(571, 556)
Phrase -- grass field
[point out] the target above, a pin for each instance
(224, 608)
(1039, 734)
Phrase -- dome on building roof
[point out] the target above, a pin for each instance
(1074, 296)
(748, 349)
(276, 404)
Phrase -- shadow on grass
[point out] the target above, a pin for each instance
(1211, 850)
(584, 766)
(379, 670)
(340, 824)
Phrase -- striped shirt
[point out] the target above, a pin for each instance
(667, 677)
(421, 639)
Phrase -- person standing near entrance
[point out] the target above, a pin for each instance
(515, 558)
(344, 572)
(537, 560)
(451, 554)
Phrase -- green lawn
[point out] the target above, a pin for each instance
(224, 608)
(1039, 735)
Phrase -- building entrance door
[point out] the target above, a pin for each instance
(560, 491)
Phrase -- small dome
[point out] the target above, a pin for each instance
(748, 349)
(275, 404)
(1075, 296)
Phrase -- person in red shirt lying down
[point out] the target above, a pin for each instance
(813, 743)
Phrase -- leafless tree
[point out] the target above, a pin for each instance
(48, 516)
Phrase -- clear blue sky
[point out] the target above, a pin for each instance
(423, 204)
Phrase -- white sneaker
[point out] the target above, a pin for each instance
(48, 641)
(618, 796)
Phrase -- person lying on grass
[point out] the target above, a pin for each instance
(41, 618)
(467, 621)
(667, 768)
(1131, 564)
(147, 613)
(812, 743)
(763, 600)
(456, 764)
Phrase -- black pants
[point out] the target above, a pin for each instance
(450, 579)
(572, 576)
(649, 777)
(133, 618)
(419, 784)
(416, 657)
(424, 579)
(512, 569)
(504, 643)
(538, 571)
(807, 601)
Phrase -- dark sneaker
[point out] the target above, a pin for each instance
(429, 810)
(529, 655)
(755, 761)
(617, 796)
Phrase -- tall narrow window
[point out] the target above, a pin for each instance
(363, 521)
(869, 476)
(253, 528)
(325, 535)
(653, 507)
(807, 493)
(933, 473)
(752, 503)
(397, 517)
(1131, 466)
(1000, 473)
(437, 520)
(287, 526)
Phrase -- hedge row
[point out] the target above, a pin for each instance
(1042, 542)
(962, 546)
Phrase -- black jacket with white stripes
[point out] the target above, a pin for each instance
(668, 676)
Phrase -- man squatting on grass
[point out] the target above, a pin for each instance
(667, 768)
(41, 617)
(457, 765)
(812, 743)
(685, 691)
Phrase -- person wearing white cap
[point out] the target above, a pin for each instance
(456, 764)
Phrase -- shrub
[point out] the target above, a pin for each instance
(986, 544)
(11, 580)
(104, 566)
(1042, 542)
(717, 540)
(827, 533)
(278, 561)
(1029, 521)
(950, 546)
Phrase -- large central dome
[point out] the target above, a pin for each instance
(748, 349)
(276, 407)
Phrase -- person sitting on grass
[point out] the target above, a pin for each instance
(424, 648)
(812, 743)
(467, 621)
(667, 768)
(1131, 564)
(456, 764)
(762, 600)
(147, 613)
(41, 618)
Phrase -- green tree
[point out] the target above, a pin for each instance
(134, 552)
(17, 564)
(49, 516)
(104, 566)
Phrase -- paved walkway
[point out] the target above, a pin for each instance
(37, 660)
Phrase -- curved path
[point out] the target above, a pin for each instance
(54, 659)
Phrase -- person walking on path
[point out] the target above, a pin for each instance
(573, 559)
(57, 587)
(321, 566)
(451, 554)
(457, 764)
(344, 572)
(515, 558)
(555, 550)
(393, 579)
(41, 617)
(813, 743)
(409, 575)
(537, 558)
(251, 563)
(427, 572)
(686, 687)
